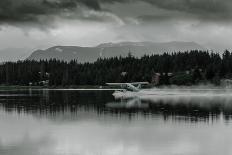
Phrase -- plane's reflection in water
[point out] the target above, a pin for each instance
(131, 103)
(46, 103)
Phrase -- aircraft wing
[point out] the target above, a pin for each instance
(133, 83)
(142, 83)
(129, 86)
(116, 84)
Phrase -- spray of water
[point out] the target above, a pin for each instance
(203, 95)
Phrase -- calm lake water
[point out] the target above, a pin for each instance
(69, 122)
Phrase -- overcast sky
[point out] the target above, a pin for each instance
(44, 23)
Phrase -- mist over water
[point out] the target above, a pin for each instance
(174, 121)
(173, 95)
(196, 96)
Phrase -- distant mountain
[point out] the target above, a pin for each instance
(90, 54)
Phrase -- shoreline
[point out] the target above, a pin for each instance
(84, 87)
(106, 87)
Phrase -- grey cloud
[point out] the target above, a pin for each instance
(204, 9)
(152, 18)
(200, 6)
(31, 10)
(22, 11)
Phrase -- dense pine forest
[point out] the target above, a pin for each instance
(181, 68)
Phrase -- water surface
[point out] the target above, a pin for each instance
(70, 122)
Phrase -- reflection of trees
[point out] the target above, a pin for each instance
(70, 104)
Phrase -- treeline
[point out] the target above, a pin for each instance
(185, 68)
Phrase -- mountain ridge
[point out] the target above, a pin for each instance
(91, 54)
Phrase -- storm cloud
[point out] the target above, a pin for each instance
(20, 11)
(45, 23)
(30, 10)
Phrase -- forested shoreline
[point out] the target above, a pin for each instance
(179, 68)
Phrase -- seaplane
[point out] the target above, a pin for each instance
(129, 94)
(129, 90)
